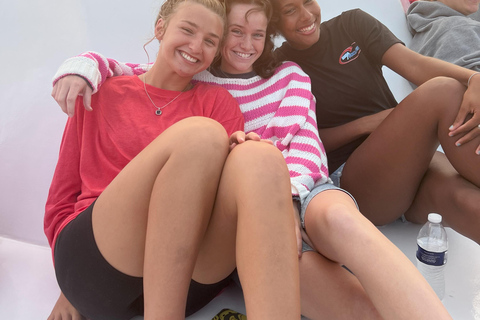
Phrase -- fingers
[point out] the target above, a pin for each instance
(67, 89)
(252, 136)
(470, 135)
(240, 137)
(468, 131)
(59, 93)
(63, 310)
(87, 98)
(236, 138)
(461, 116)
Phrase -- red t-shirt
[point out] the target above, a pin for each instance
(97, 145)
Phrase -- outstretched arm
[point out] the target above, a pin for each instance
(336, 137)
(92, 70)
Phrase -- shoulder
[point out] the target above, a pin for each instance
(119, 81)
(290, 67)
(290, 70)
(213, 92)
(119, 85)
(352, 21)
(358, 15)
(203, 86)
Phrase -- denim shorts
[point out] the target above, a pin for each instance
(315, 191)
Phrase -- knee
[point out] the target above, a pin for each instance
(333, 218)
(262, 160)
(444, 92)
(200, 136)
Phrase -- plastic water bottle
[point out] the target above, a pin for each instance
(432, 253)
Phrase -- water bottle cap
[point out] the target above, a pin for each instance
(434, 218)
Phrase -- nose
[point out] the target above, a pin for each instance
(196, 44)
(305, 14)
(246, 43)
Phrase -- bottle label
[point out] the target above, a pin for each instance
(430, 258)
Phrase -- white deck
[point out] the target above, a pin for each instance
(28, 289)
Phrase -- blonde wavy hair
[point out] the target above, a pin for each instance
(169, 7)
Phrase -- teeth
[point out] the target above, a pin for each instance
(243, 55)
(307, 29)
(188, 57)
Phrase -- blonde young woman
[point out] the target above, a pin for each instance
(153, 205)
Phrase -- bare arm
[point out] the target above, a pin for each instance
(418, 69)
(84, 74)
(336, 137)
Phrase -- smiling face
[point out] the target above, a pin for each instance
(245, 39)
(465, 7)
(190, 40)
(299, 22)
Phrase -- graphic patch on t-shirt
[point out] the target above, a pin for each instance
(349, 54)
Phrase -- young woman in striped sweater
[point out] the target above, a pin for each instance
(277, 104)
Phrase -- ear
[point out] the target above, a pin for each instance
(160, 29)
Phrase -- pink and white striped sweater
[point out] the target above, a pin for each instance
(280, 108)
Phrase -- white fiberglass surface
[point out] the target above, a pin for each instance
(28, 288)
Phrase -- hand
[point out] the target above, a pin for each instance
(467, 122)
(239, 137)
(63, 310)
(67, 89)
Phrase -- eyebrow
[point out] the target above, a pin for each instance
(196, 26)
(289, 4)
(240, 26)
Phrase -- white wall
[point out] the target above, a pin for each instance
(35, 37)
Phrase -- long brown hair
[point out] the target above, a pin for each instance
(266, 64)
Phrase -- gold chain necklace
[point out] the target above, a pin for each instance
(158, 112)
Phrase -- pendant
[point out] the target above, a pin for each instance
(158, 112)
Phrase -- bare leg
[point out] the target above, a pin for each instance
(329, 291)
(151, 218)
(385, 172)
(445, 191)
(394, 285)
(254, 198)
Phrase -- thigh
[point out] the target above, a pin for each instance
(384, 173)
(326, 288)
(242, 185)
(88, 281)
(189, 150)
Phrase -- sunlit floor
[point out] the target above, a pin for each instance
(28, 289)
